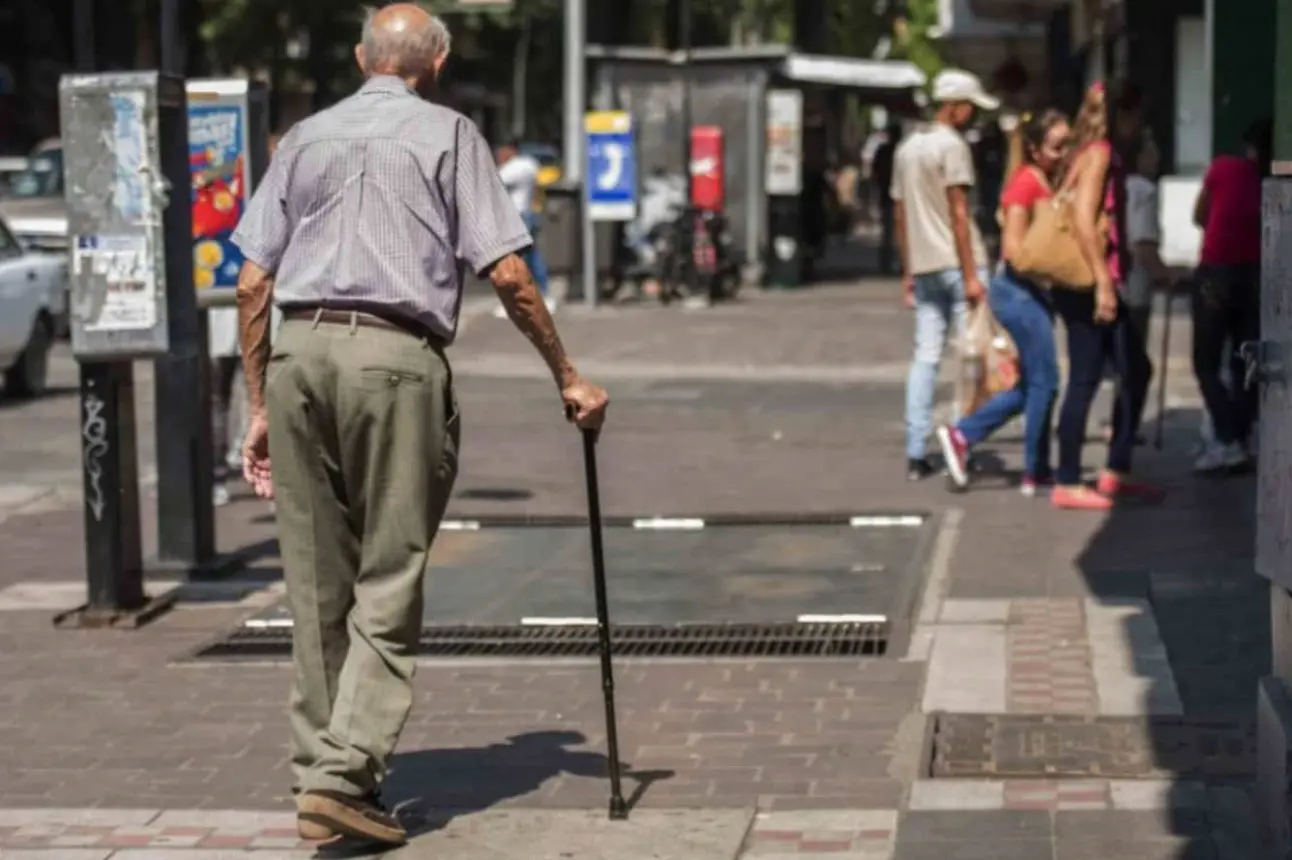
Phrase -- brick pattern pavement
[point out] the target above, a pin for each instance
(93, 725)
(1056, 795)
(85, 725)
(830, 834)
(115, 829)
(1049, 658)
(1125, 817)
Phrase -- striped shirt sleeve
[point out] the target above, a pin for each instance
(263, 232)
(489, 227)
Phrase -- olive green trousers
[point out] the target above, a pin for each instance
(363, 442)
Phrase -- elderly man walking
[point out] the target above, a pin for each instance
(359, 234)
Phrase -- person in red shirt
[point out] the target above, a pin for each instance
(1226, 295)
(1023, 309)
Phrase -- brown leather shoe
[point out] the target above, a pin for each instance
(342, 815)
(319, 834)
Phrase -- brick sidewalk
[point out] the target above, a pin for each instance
(830, 754)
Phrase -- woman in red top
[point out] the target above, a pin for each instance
(1023, 310)
(1097, 321)
(1226, 295)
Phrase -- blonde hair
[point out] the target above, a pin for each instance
(1091, 123)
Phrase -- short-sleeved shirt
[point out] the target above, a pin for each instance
(1232, 233)
(1143, 224)
(1025, 188)
(377, 204)
(520, 177)
(927, 163)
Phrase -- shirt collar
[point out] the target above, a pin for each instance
(386, 84)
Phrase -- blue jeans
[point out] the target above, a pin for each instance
(940, 309)
(531, 256)
(1024, 313)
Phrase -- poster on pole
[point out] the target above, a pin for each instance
(784, 176)
(217, 157)
(125, 265)
(611, 186)
(129, 142)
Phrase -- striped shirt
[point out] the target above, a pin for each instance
(377, 203)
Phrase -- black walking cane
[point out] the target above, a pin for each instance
(618, 807)
(1169, 301)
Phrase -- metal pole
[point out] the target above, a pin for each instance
(684, 38)
(687, 233)
(113, 544)
(113, 556)
(576, 100)
(83, 21)
(109, 454)
(576, 88)
(755, 144)
(589, 247)
(185, 456)
(171, 38)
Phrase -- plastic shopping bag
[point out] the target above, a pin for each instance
(988, 360)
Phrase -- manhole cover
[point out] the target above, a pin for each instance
(1015, 747)
(700, 640)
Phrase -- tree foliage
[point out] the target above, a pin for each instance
(912, 39)
(514, 49)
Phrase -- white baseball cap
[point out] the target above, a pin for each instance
(957, 85)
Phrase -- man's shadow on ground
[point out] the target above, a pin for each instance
(430, 788)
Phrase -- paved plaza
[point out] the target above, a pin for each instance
(1132, 639)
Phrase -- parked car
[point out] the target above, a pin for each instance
(35, 210)
(33, 297)
(11, 167)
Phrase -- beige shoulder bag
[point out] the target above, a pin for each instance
(1050, 253)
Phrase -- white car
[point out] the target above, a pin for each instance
(33, 297)
(34, 208)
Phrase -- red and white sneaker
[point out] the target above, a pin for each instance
(955, 451)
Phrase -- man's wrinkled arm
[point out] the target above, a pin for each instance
(520, 295)
(255, 294)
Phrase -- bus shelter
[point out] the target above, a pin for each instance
(731, 88)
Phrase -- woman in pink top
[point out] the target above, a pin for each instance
(1099, 327)
(1226, 295)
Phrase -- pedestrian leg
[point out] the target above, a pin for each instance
(320, 549)
(931, 325)
(397, 428)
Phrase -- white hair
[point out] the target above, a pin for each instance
(406, 52)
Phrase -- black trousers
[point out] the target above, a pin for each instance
(1091, 347)
(1226, 307)
(887, 243)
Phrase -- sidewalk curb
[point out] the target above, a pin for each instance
(936, 587)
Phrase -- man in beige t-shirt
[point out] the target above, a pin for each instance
(944, 261)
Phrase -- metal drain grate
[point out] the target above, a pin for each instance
(1062, 747)
(853, 639)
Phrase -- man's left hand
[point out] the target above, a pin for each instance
(255, 457)
(974, 290)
